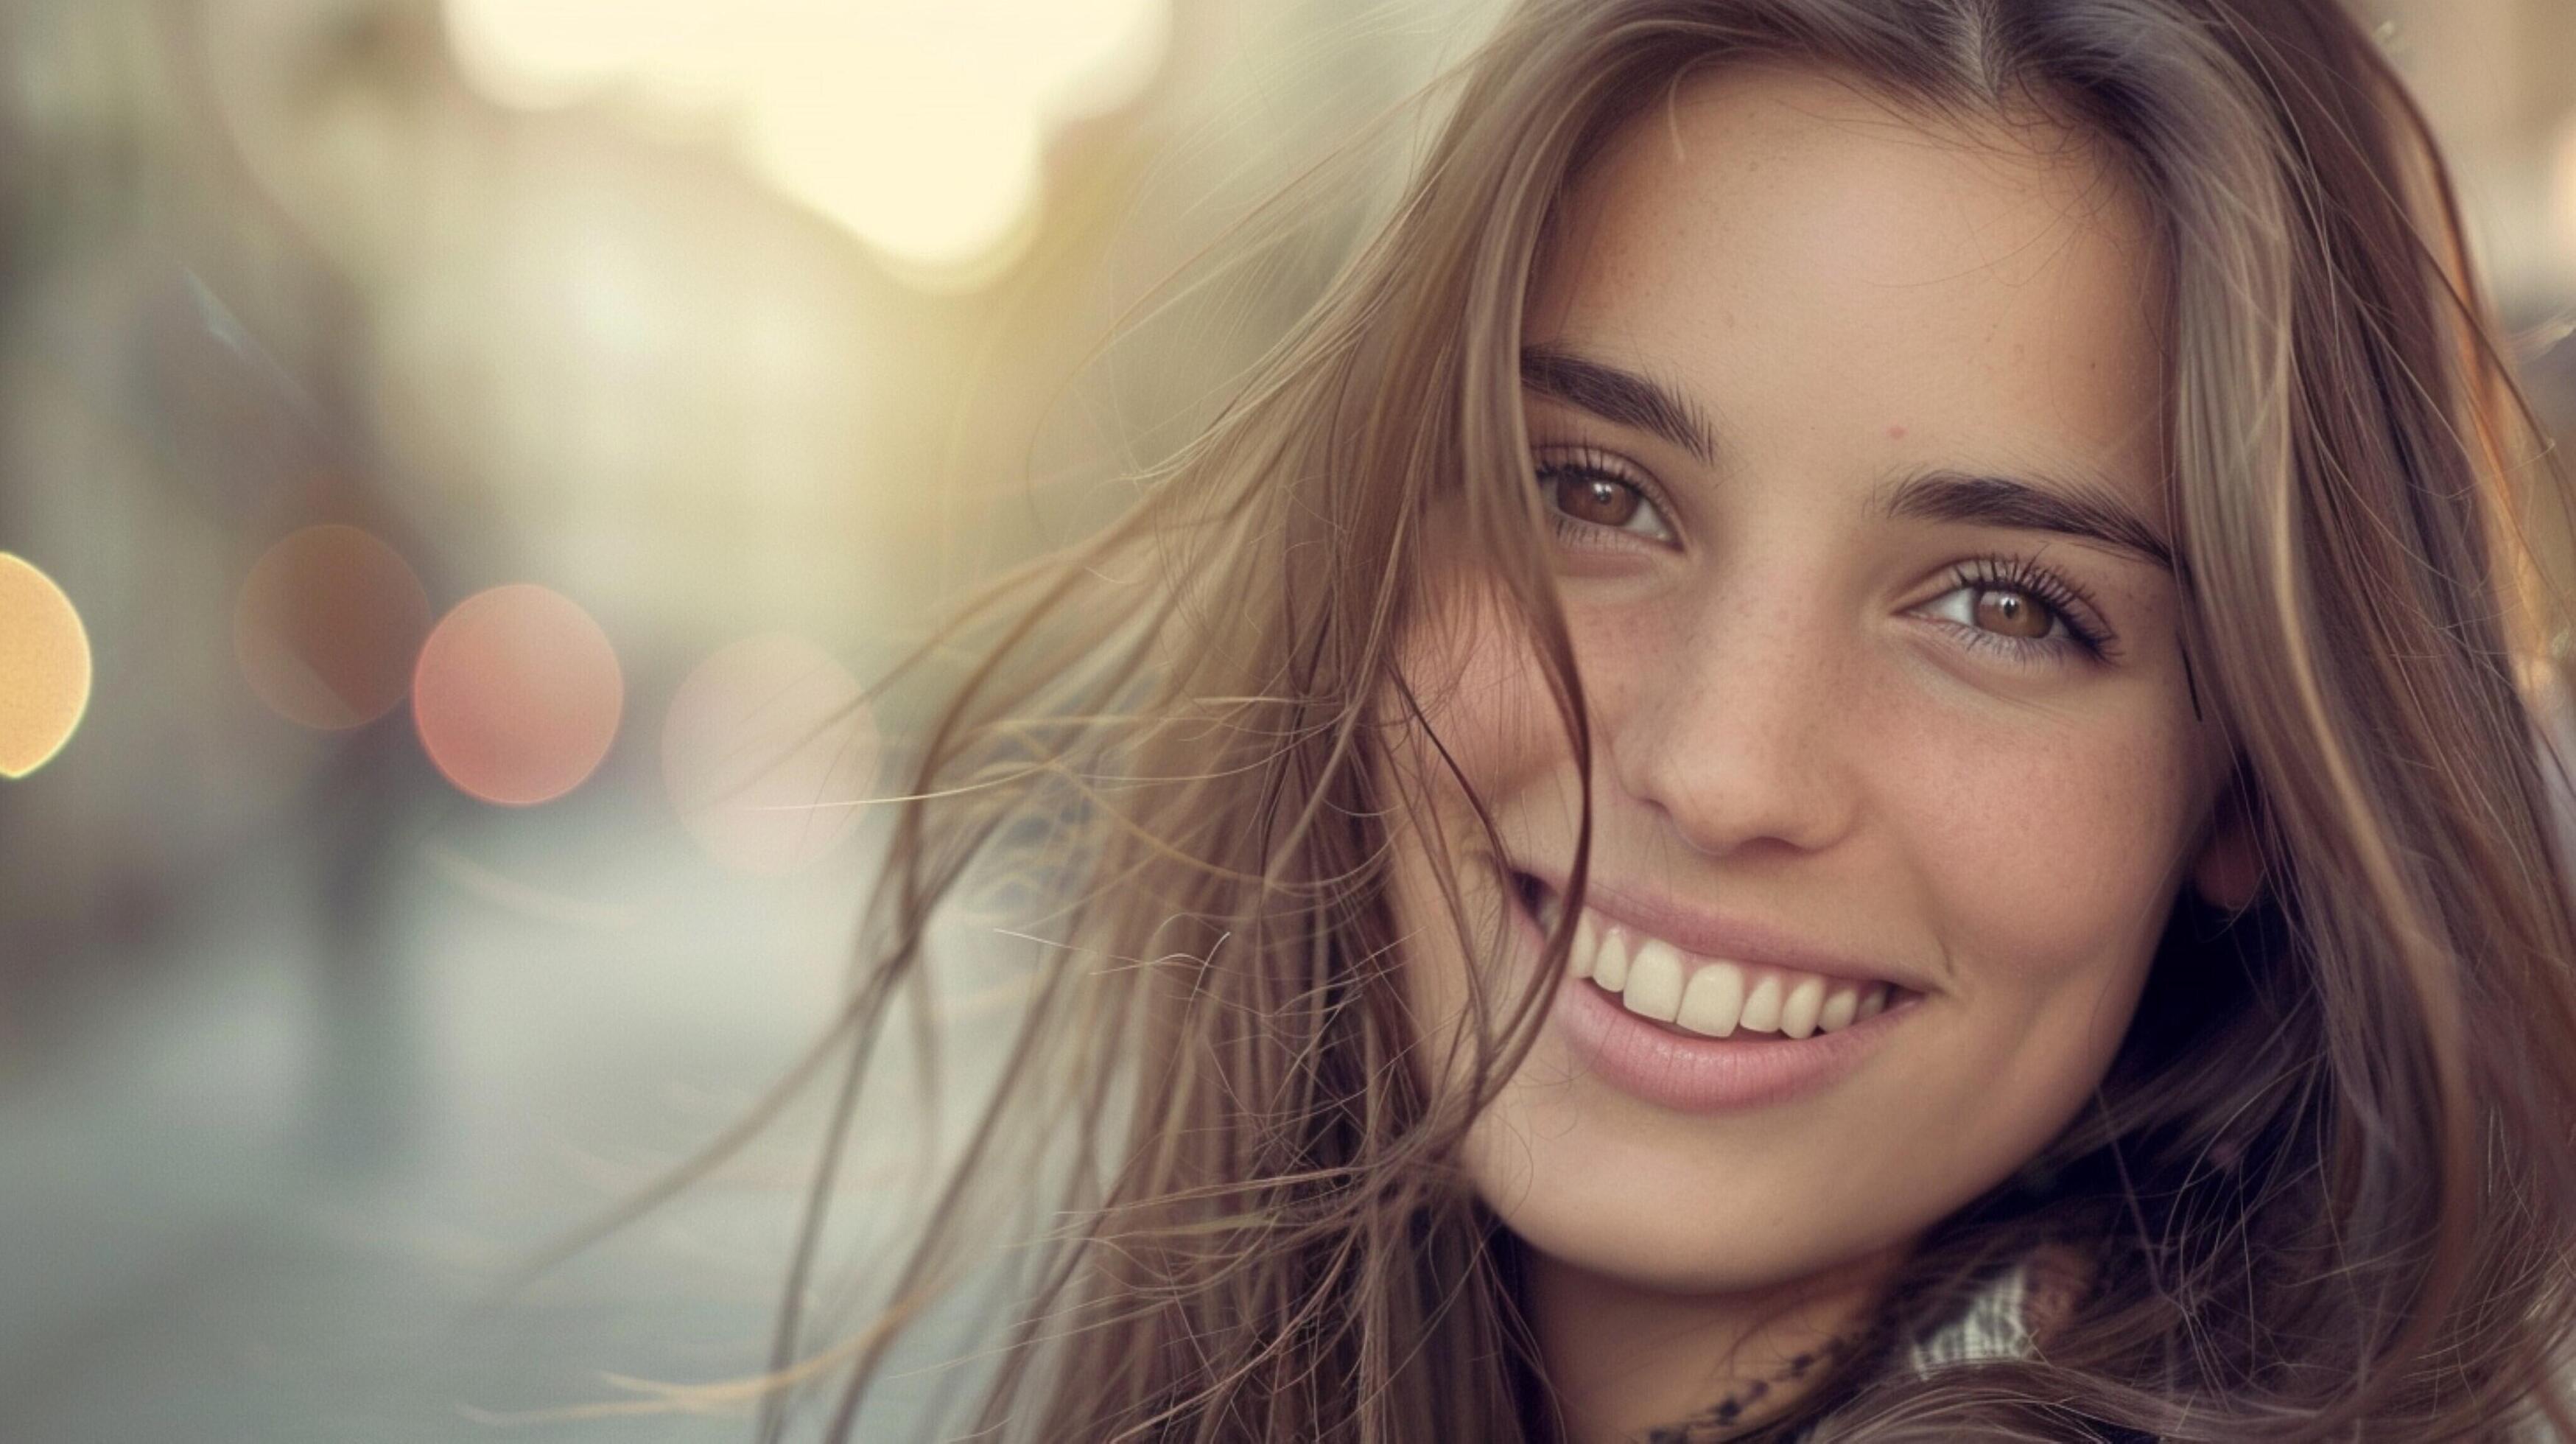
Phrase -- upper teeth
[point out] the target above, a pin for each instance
(1712, 995)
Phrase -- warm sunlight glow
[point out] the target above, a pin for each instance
(767, 750)
(915, 124)
(44, 668)
(517, 695)
(329, 622)
(2562, 205)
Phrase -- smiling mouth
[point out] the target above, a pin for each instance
(1705, 997)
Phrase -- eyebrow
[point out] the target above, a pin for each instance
(2089, 511)
(1622, 397)
(2084, 510)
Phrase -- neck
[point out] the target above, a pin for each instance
(1630, 1362)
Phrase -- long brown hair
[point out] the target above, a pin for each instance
(2328, 1186)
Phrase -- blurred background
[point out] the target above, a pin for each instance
(439, 443)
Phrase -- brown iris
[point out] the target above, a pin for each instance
(2014, 614)
(1598, 500)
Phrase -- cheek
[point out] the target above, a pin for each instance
(2043, 849)
(1487, 723)
(2051, 843)
(1485, 706)
(2039, 853)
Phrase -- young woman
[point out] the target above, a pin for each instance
(1849, 748)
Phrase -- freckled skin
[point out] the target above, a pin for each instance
(1782, 734)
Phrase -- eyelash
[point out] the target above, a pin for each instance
(1585, 464)
(2065, 601)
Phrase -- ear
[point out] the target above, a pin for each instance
(2229, 869)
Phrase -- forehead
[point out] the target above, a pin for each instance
(1819, 265)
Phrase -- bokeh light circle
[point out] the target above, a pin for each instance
(44, 667)
(767, 749)
(517, 695)
(329, 623)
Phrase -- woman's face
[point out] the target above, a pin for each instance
(1849, 420)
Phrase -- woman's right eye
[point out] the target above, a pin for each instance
(1585, 496)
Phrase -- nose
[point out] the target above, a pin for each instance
(1738, 734)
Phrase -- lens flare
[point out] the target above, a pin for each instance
(328, 625)
(766, 750)
(517, 695)
(44, 668)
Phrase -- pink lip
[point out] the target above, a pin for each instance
(1701, 1075)
(1736, 940)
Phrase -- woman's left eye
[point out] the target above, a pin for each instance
(2002, 611)
(2024, 613)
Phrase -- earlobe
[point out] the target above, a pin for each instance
(2229, 870)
